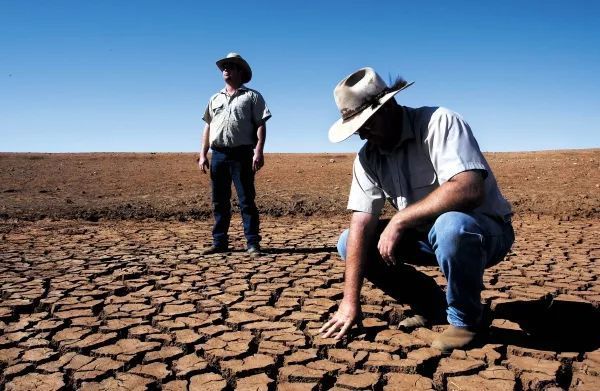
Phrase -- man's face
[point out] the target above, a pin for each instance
(378, 130)
(231, 72)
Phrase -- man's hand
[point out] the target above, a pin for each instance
(388, 241)
(203, 163)
(347, 315)
(258, 161)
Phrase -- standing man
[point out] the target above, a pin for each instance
(235, 131)
(427, 163)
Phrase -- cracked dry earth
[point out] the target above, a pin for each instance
(133, 305)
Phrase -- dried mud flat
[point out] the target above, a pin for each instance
(132, 304)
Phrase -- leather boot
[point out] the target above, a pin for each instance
(413, 322)
(453, 338)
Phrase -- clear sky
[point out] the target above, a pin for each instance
(79, 76)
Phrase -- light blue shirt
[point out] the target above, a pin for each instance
(435, 145)
(233, 120)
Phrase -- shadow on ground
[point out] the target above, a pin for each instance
(298, 250)
(560, 324)
(550, 324)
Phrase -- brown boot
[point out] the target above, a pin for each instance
(215, 250)
(453, 338)
(413, 322)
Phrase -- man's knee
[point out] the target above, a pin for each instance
(342, 243)
(454, 230)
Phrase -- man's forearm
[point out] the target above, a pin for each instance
(261, 134)
(362, 230)
(205, 141)
(465, 191)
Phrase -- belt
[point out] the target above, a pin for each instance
(232, 149)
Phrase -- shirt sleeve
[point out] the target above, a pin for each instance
(207, 117)
(452, 146)
(260, 111)
(365, 195)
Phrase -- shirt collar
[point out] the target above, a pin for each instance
(240, 88)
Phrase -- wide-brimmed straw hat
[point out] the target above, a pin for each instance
(358, 97)
(238, 60)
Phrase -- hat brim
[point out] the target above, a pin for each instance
(342, 129)
(247, 74)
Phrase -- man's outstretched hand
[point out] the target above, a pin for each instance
(345, 317)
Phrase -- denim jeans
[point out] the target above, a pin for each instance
(463, 245)
(227, 165)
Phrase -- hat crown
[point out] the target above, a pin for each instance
(357, 89)
(239, 60)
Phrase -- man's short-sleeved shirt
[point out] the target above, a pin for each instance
(435, 145)
(234, 119)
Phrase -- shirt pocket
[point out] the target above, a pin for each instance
(422, 182)
(218, 109)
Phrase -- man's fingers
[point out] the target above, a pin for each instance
(203, 165)
(343, 330)
(386, 254)
(332, 328)
(325, 326)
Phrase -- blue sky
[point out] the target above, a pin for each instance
(82, 76)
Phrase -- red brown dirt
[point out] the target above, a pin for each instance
(103, 287)
(164, 186)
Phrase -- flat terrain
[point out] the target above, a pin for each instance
(121, 186)
(103, 285)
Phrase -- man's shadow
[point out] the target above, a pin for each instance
(298, 250)
(560, 324)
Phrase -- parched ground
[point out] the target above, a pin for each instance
(170, 186)
(130, 303)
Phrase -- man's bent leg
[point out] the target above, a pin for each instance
(220, 175)
(403, 282)
(464, 245)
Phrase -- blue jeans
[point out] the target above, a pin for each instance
(227, 165)
(463, 245)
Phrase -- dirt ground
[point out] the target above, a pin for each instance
(103, 285)
(122, 186)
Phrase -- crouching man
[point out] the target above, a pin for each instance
(427, 163)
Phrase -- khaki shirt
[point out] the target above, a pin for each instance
(234, 119)
(435, 145)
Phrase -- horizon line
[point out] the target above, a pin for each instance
(274, 152)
